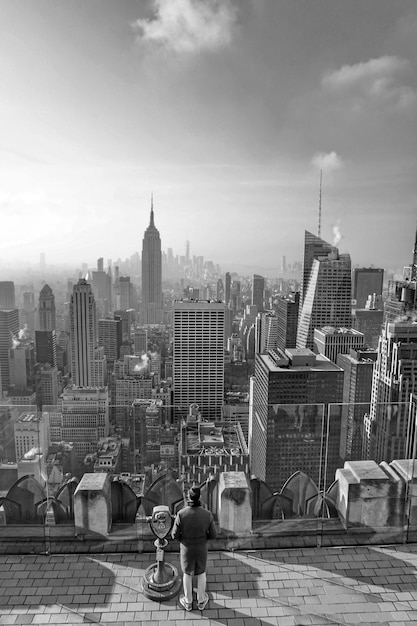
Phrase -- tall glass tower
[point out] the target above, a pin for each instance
(83, 334)
(152, 306)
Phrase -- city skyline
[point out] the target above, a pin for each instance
(226, 111)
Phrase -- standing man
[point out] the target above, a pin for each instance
(193, 526)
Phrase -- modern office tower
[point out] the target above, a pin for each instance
(258, 288)
(125, 292)
(198, 351)
(266, 332)
(287, 309)
(331, 341)
(152, 302)
(227, 288)
(9, 329)
(46, 347)
(314, 248)
(140, 341)
(7, 295)
(358, 367)
(394, 379)
(110, 337)
(327, 300)
(31, 431)
(283, 264)
(47, 312)
(83, 419)
(100, 264)
(83, 335)
(366, 281)
(47, 385)
(22, 364)
(290, 416)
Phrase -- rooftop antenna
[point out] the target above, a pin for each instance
(319, 224)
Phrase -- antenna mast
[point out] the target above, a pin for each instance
(319, 224)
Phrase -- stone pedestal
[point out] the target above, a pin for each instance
(235, 510)
(370, 495)
(407, 470)
(92, 504)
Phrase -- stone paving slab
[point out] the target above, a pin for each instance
(368, 585)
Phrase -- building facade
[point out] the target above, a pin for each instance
(152, 301)
(198, 352)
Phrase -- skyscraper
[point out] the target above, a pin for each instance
(198, 368)
(46, 347)
(258, 287)
(227, 288)
(314, 248)
(289, 414)
(366, 281)
(82, 334)
(47, 313)
(327, 299)
(7, 297)
(286, 308)
(9, 329)
(152, 303)
(394, 379)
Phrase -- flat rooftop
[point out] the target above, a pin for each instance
(322, 586)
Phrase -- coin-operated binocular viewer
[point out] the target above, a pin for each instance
(161, 581)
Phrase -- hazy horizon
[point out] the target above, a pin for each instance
(226, 111)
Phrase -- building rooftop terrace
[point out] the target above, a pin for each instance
(353, 585)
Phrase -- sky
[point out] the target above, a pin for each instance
(225, 110)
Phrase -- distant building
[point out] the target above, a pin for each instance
(152, 301)
(208, 448)
(358, 367)
(366, 281)
(46, 347)
(9, 329)
(390, 435)
(290, 409)
(258, 288)
(369, 321)
(31, 431)
(110, 337)
(327, 299)
(47, 311)
(48, 388)
(83, 418)
(198, 351)
(7, 295)
(287, 310)
(331, 341)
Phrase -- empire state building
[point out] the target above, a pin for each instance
(152, 307)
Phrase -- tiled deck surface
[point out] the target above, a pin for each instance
(355, 585)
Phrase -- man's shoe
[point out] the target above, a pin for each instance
(186, 605)
(202, 605)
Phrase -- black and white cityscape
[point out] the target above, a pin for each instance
(209, 240)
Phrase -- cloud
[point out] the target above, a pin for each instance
(189, 26)
(375, 82)
(327, 161)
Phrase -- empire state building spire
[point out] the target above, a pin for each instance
(152, 307)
